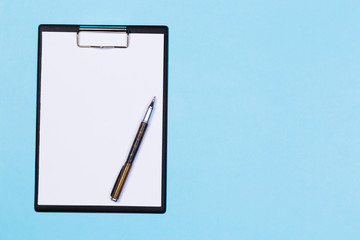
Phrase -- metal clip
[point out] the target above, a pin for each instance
(104, 30)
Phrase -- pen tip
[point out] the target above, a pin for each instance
(154, 99)
(152, 102)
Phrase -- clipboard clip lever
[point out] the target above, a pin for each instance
(100, 37)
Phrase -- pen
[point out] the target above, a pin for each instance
(120, 181)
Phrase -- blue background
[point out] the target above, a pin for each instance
(263, 130)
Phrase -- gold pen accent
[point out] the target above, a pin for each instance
(124, 172)
(120, 182)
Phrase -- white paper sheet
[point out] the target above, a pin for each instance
(92, 103)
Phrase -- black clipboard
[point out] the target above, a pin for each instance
(94, 84)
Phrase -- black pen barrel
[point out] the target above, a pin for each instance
(136, 143)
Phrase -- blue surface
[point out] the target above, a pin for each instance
(263, 137)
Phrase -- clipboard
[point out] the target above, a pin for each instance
(94, 86)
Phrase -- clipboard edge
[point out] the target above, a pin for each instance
(99, 209)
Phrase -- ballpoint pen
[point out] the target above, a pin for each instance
(120, 181)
